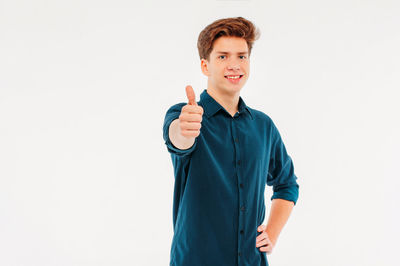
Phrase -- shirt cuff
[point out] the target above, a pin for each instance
(179, 152)
(286, 192)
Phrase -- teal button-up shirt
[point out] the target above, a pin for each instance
(219, 185)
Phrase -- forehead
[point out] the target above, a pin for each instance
(228, 44)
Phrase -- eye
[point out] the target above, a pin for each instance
(243, 56)
(220, 56)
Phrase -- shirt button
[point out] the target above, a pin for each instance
(240, 253)
(238, 162)
(241, 232)
(241, 185)
(236, 140)
(242, 208)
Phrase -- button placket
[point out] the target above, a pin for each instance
(241, 197)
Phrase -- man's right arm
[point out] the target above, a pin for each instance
(183, 131)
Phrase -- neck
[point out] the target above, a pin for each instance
(230, 101)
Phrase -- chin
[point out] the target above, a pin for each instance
(233, 90)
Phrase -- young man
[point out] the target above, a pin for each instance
(224, 153)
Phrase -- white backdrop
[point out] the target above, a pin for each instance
(86, 179)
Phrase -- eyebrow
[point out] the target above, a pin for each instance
(222, 52)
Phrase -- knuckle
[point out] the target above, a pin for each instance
(193, 117)
(199, 109)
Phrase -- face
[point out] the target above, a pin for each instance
(228, 59)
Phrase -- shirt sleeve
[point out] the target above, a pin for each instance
(172, 114)
(281, 171)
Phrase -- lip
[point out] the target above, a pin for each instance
(234, 81)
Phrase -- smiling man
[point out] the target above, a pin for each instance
(224, 153)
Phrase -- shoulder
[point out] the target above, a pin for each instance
(261, 116)
(266, 122)
(176, 107)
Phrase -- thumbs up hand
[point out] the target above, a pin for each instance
(191, 116)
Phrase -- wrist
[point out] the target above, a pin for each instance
(272, 236)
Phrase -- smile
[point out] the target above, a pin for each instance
(234, 79)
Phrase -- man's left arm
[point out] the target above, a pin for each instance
(279, 215)
(282, 178)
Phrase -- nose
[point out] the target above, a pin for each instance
(233, 64)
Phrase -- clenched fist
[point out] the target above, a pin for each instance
(191, 116)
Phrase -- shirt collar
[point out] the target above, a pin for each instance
(211, 106)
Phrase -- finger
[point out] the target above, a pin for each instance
(190, 126)
(190, 95)
(262, 236)
(196, 109)
(267, 249)
(263, 242)
(261, 228)
(190, 117)
(190, 133)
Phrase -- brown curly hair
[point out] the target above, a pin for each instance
(235, 27)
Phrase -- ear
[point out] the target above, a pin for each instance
(204, 67)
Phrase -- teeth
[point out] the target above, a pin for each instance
(232, 77)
